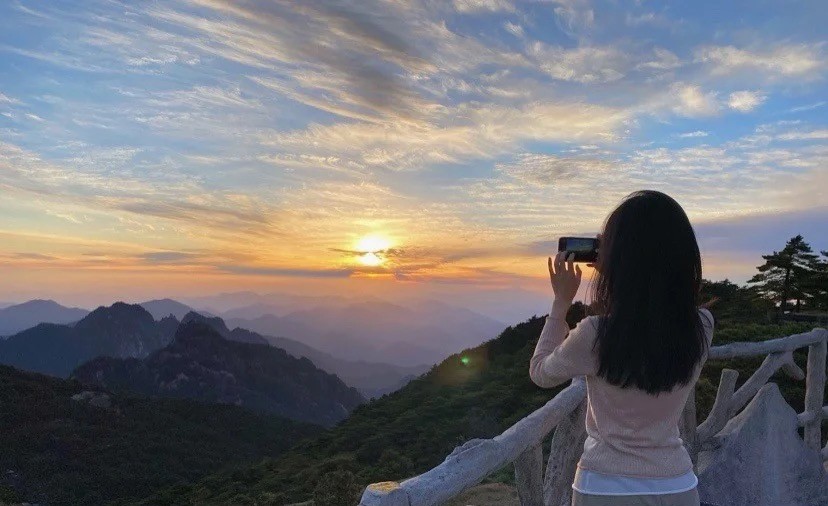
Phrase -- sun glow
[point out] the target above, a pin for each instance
(370, 249)
(372, 244)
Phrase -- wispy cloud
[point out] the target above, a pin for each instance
(745, 101)
(693, 134)
(271, 136)
(802, 60)
(692, 101)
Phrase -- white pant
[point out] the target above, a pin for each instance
(688, 498)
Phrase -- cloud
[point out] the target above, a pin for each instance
(745, 101)
(663, 60)
(169, 257)
(484, 5)
(548, 170)
(5, 99)
(584, 64)
(692, 102)
(467, 132)
(803, 60)
(515, 29)
(697, 133)
(574, 16)
(821, 134)
(287, 272)
(809, 107)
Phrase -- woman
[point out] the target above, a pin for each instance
(641, 354)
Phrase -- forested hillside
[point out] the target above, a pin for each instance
(477, 393)
(104, 448)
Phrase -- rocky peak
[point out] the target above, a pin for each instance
(215, 323)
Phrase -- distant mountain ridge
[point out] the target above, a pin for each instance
(17, 317)
(161, 308)
(202, 365)
(120, 330)
(129, 330)
(377, 331)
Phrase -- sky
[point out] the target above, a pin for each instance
(386, 146)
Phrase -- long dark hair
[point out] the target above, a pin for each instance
(650, 335)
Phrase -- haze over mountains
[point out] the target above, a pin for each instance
(17, 317)
(419, 332)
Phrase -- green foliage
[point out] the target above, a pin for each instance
(68, 452)
(9, 496)
(412, 430)
(736, 303)
(337, 488)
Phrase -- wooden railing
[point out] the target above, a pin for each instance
(520, 444)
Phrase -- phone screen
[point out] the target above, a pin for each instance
(584, 248)
(580, 244)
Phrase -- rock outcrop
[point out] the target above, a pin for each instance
(762, 461)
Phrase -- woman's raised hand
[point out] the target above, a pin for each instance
(565, 277)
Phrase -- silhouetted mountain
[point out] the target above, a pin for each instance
(200, 364)
(19, 317)
(121, 330)
(165, 307)
(217, 324)
(62, 444)
(214, 322)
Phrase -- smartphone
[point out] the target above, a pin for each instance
(585, 248)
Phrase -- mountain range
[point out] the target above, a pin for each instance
(128, 330)
(121, 330)
(17, 317)
(161, 308)
(203, 365)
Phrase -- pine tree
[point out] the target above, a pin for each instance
(787, 274)
(816, 286)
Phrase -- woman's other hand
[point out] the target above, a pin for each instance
(710, 303)
(565, 278)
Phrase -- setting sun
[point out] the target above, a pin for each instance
(370, 249)
(372, 244)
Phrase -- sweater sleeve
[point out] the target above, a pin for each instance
(559, 357)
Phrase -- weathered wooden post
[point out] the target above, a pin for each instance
(567, 447)
(529, 476)
(687, 427)
(815, 392)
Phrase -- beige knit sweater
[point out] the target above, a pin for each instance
(629, 432)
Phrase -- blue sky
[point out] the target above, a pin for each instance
(257, 143)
